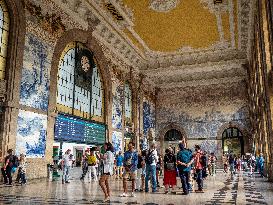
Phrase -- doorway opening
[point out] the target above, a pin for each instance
(232, 141)
(172, 139)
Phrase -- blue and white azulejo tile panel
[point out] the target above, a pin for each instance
(117, 141)
(117, 90)
(35, 73)
(148, 115)
(31, 134)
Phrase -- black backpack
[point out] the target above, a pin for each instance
(203, 160)
(13, 161)
(150, 157)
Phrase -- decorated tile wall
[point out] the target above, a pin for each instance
(201, 111)
(31, 134)
(148, 116)
(35, 73)
(117, 90)
(117, 141)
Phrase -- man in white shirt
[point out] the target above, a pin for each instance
(151, 160)
(67, 163)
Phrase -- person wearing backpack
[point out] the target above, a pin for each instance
(184, 161)
(198, 168)
(10, 164)
(169, 170)
(151, 161)
(130, 168)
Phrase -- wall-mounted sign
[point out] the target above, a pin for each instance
(72, 129)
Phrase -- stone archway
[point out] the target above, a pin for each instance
(171, 126)
(245, 134)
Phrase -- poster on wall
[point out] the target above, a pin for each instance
(31, 134)
(117, 141)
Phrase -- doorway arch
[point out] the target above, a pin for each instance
(172, 138)
(233, 141)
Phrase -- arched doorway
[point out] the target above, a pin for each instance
(172, 138)
(232, 141)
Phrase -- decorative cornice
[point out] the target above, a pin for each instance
(202, 82)
(222, 65)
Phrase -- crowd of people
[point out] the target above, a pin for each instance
(249, 163)
(142, 168)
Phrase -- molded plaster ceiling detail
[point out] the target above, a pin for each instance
(163, 5)
(230, 24)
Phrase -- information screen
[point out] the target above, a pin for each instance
(68, 128)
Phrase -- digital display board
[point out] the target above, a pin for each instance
(68, 128)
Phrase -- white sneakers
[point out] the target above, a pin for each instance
(126, 195)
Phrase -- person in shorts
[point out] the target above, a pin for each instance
(130, 168)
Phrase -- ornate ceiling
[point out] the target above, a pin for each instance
(165, 39)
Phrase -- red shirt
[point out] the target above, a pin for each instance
(197, 159)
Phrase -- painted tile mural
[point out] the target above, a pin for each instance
(202, 111)
(148, 116)
(35, 73)
(206, 126)
(31, 134)
(117, 90)
(117, 141)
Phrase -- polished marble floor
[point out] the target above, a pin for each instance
(220, 189)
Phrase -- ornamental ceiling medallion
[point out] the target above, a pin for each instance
(163, 5)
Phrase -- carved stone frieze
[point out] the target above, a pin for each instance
(50, 22)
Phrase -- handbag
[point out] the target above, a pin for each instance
(170, 164)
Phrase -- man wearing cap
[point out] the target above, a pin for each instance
(67, 163)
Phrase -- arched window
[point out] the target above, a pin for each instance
(4, 33)
(173, 135)
(79, 88)
(128, 101)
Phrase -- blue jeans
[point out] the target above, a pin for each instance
(185, 179)
(66, 172)
(23, 177)
(199, 179)
(261, 169)
(150, 174)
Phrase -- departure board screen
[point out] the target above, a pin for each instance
(68, 128)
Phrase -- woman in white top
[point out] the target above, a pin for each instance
(108, 166)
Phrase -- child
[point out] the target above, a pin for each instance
(22, 169)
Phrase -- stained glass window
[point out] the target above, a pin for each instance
(4, 32)
(78, 77)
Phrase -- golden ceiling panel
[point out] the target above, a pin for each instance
(188, 25)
